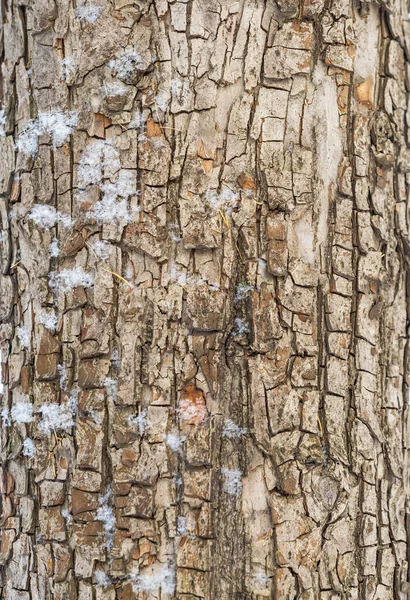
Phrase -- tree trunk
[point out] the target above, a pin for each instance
(204, 253)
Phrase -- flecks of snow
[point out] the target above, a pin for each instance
(231, 430)
(155, 141)
(101, 579)
(56, 416)
(63, 376)
(106, 514)
(232, 484)
(114, 89)
(47, 216)
(141, 422)
(57, 124)
(54, 249)
(182, 279)
(186, 526)
(95, 417)
(68, 279)
(111, 385)
(137, 121)
(102, 249)
(115, 358)
(190, 412)
(48, 319)
(180, 88)
(242, 290)
(177, 479)
(225, 200)
(127, 63)
(241, 327)
(67, 67)
(160, 577)
(88, 14)
(2, 123)
(29, 448)
(68, 517)
(22, 412)
(5, 415)
(162, 100)
(95, 158)
(174, 233)
(175, 441)
(113, 207)
(261, 579)
(24, 336)
(109, 210)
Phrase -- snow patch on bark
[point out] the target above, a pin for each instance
(175, 442)
(231, 430)
(2, 123)
(67, 68)
(98, 158)
(161, 577)
(101, 579)
(141, 422)
(23, 335)
(224, 200)
(29, 448)
(88, 14)
(112, 388)
(56, 416)
(102, 249)
(106, 514)
(114, 89)
(47, 216)
(5, 416)
(49, 320)
(54, 248)
(186, 526)
(68, 279)
(57, 124)
(22, 412)
(232, 484)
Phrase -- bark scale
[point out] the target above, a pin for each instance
(203, 303)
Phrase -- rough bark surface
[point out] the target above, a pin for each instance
(204, 209)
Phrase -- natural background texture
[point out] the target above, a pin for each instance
(203, 299)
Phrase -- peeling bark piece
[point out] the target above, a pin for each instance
(89, 437)
(340, 56)
(52, 526)
(290, 53)
(205, 308)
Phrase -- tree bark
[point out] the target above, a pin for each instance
(204, 300)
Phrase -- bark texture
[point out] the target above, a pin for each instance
(203, 299)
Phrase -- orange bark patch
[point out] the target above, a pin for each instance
(207, 158)
(192, 409)
(153, 129)
(364, 91)
(246, 182)
(128, 457)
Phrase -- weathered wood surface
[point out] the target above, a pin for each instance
(203, 345)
